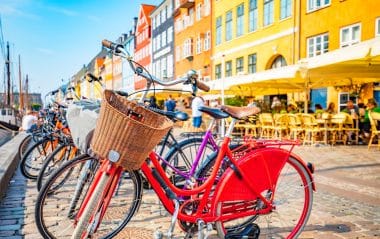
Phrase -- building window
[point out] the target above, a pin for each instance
(187, 47)
(228, 25)
(218, 37)
(153, 23)
(228, 68)
(158, 20)
(207, 43)
(316, 4)
(163, 15)
(286, 8)
(170, 65)
(377, 28)
(252, 15)
(239, 64)
(164, 70)
(168, 10)
(206, 7)
(158, 42)
(198, 49)
(170, 34)
(178, 53)
(163, 38)
(278, 62)
(343, 98)
(198, 12)
(218, 71)
(252, 63)
(350, 35)
(240, 20)
(317, 45)
(268, 12)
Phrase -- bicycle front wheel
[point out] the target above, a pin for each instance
(60, 155)
(293, 199)
(62, 195)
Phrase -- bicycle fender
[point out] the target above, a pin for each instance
(260, 170)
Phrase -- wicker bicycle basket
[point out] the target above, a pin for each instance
(127, 128)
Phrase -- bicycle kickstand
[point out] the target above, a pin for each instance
(201, 228)
(174, 219)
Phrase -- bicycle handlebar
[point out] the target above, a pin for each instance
(191, 76)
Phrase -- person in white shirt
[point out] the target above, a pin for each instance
(28, 121)
(197, 115)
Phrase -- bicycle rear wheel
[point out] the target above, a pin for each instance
(35, 156)
(60, 199)
(293, 199)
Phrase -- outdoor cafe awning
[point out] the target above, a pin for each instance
(357, 64)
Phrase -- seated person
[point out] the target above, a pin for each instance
(351, 109)
(29, 122)
(371, 107)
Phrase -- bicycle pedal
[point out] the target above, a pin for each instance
(252, 231)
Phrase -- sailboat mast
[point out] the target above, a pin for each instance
(7, 62)
(20, 95)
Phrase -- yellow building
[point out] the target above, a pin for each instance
(345, 27)
(251, 37)
(192, 38)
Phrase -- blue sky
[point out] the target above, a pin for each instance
(55, 38)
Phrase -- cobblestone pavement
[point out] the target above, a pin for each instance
(346, 204)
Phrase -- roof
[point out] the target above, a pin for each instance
(146, 9)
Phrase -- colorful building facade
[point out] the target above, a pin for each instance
(330, 25)
(142, 53)
(192, 27)
(163, 41)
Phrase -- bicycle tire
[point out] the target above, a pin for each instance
(290, 216)
(52, 212)
(34, 157)
(51, 163)
(182, 157)
(90, 209)
(24, 145)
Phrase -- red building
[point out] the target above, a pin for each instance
(143, 37)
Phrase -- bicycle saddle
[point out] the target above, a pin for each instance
(240, 112)
(216, 113)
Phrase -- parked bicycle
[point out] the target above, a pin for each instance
(238, 193)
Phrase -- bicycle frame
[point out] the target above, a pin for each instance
(207, 138)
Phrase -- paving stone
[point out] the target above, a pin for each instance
(346, 178)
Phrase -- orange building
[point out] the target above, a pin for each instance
(142, 53)
(192, 38)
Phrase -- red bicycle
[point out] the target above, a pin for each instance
(260, 188)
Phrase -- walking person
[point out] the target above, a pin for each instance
(196, 114)
(170, 104)
(29, 122)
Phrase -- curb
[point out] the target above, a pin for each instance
(9, 160)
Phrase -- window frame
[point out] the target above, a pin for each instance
(287, 7)
(350, 42)
(377, 26)
(228, 26)
(252, 16)
(313, 7)
(218, 30)
(252, 65)
(218, 71)
(239, 65)
(270, 17)
(322, 51)
(240, 20)
(228, 68)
